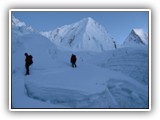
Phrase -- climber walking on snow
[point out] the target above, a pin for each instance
(73, 60)
(28, 62)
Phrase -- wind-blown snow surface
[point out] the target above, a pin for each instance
(95, 83)
(110, 79)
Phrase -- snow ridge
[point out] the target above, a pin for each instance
(16, 22)
(20, 28)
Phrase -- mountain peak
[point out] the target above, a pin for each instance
(84, 35)
(143, 36)
(17, 22)
(20, 27)
(138, 31)
(88, 20)
(137, 37)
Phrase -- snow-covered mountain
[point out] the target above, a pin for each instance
(110, 79)
(19, 28)
(17, 23)
(84, 35)
(136, 38)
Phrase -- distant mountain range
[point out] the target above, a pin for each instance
(84, 35)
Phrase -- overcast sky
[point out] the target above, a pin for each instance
(118, 24)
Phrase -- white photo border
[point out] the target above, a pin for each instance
(79, 109)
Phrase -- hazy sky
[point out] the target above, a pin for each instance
(118, 24)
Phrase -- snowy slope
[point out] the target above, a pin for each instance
(19, 29)
(109, 79)
(40, 48)
(36, 45)
(89, 85)
(136, 38)
(132, 62)
(85, 35)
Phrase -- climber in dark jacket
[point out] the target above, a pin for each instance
(28, 62)
(73, 60)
